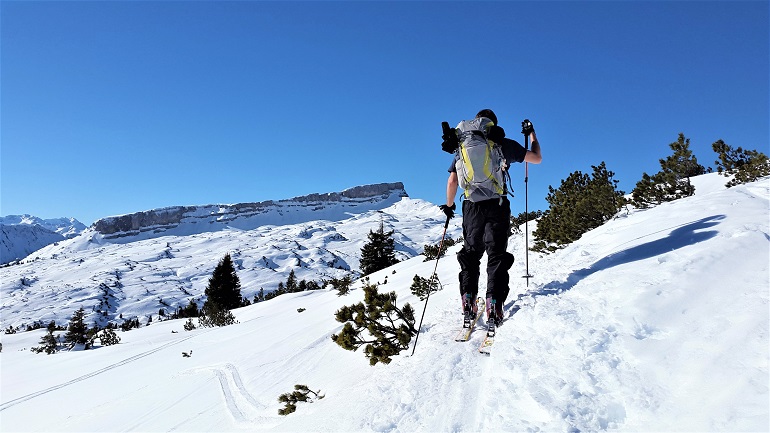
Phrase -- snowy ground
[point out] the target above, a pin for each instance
(656, 321)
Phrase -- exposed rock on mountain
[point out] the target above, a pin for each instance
(187, 220)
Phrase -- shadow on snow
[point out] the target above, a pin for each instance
(685, 235)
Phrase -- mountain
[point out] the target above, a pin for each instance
(135, 265)
(21, 235)
(188, 220)
(656, 321)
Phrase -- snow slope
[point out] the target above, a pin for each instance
(111, 279)
(656, 321)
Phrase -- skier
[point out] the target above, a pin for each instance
(486, 222)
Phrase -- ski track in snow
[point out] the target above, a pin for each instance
(243, 407)
(122, 363)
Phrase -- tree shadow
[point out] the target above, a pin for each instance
(684, 235)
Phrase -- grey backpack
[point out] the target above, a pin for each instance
(480, 163)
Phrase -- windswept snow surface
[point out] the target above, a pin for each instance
(656, 321)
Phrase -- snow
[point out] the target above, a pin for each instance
(137, 278)
(656, 321)
(20, 235)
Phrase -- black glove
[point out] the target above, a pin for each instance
(526, 127)
(448, 210)
(451, 143)
(496, 134)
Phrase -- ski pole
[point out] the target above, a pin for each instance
(440, 249)
(525, 126)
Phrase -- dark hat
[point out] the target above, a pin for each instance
(489, 114)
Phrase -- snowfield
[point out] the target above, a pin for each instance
(656, 321)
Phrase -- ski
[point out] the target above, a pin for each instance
(489, 339)
(465, 332)
(486, 345)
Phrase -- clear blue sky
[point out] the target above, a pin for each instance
(109, 108)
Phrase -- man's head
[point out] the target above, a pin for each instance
(489, 114)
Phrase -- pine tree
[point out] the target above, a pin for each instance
(341, 285)
(291, 282)
(108, 337)
(421, 287)
(379, 253)
(214, 315)
(374, 324)
(580, 204)
(223, 294)
(191, 310)
(523, 217)
(432, 251)
(744, 165)
(672, 182)
(77, 332)
(48, 343)
(301, 394)
(224, 287)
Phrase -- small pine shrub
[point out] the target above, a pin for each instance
(432, 252)
(301, 394)
(744, 165)
(214, 315)
(48, 344)
(421, 287)
(108, 337)
(377, 324)
(341, 285)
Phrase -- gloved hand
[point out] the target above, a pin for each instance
(449, 211)
(496, 134)
(451, 142)
(526, 127)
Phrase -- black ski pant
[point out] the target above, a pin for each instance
(486, 225)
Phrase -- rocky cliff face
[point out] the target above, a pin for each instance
(187, 220)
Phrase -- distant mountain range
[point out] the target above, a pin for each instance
(21, 235)
(138, 264)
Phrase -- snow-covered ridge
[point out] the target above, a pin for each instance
(188, 220)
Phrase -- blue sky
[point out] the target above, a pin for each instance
(109, 108)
